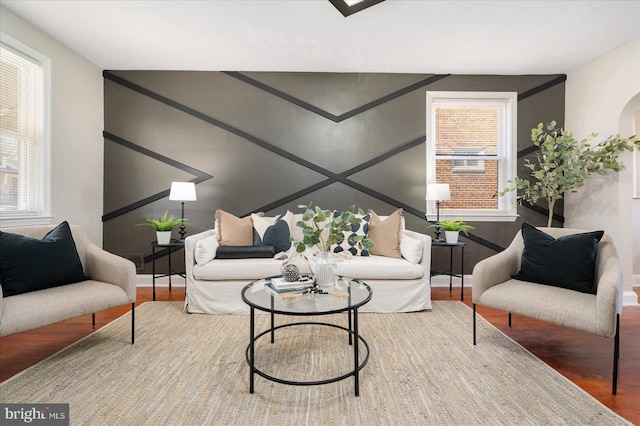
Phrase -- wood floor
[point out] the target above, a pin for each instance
(581, 357)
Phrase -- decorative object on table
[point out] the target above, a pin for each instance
(182, 191)
(452, 229)
(290, 272)
(280, 285)
(564, 164)
(163, 226)
(438, 192)
(324, 269)
(321, 229)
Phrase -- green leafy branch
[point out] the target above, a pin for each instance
(564, 164)
(320, 228)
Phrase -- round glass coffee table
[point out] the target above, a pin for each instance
(347, 295)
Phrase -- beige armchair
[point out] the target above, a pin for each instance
(112, 283)
(494, 287)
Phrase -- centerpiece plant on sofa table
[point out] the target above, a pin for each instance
(323, 229)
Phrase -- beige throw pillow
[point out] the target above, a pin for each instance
(232, 230)
(386, 234)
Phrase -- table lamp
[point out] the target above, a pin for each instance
(438, 192)
(182, 191)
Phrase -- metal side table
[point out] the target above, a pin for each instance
(174, 245)
(460, 244)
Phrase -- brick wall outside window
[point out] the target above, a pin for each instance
(474, 127)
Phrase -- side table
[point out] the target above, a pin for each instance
(174, 245)
(460, 244)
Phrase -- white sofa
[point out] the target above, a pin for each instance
(398, 285)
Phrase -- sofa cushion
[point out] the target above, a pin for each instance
(206, 249)
(244, 269)
(245, 252)
(232, 230)
(357, 230)
(411, 248)
(378, 268)
(273, 230)
(386, 234)
(568, 262)
(29, 264)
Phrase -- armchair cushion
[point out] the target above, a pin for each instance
(29, 264)
(568, 261)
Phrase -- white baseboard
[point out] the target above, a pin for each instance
(443, 281)
(635, 281)
(629, 298)
(146, 280)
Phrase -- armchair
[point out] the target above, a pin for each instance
(112, 283)
(599, 313)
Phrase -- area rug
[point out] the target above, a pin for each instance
(189, 369)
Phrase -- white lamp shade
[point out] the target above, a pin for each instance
(183, 191)
(438, 192)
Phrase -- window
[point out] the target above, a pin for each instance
(471, 145)
(24, 134)
(467, 162)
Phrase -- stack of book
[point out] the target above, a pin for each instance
(280, 285)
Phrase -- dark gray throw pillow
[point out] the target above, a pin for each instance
(28, 264)
(568, 262)
(245, 252)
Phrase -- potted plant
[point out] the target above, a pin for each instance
(321, 229)
(163, 226)
(452, 229)
(564, 164)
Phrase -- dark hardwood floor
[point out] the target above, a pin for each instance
(583, 358)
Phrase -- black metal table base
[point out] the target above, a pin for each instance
(250, 353)
(450, 272)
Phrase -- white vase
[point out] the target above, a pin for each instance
(451, 236)
(324, 269)
(164, 237)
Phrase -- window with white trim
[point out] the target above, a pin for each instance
(24, 134)
(471, 145)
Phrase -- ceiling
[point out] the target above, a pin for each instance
(421, 36)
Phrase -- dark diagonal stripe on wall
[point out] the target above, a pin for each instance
(542, 87)
(200, 175)
(327, 114)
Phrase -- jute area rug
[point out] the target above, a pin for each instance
(188, 369)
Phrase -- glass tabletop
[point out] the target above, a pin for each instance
(346, 293)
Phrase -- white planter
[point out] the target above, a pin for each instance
(451, 236)
(164, 237)
(324, 269)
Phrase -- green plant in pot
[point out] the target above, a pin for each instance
(564, 164)
(163, 226)
(452, 228)
(321, 229)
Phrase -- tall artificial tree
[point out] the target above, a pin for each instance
(564, 164)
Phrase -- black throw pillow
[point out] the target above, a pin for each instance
(245, 252)
(28, 264)
(568, 262)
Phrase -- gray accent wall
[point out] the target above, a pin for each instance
(268, 141)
